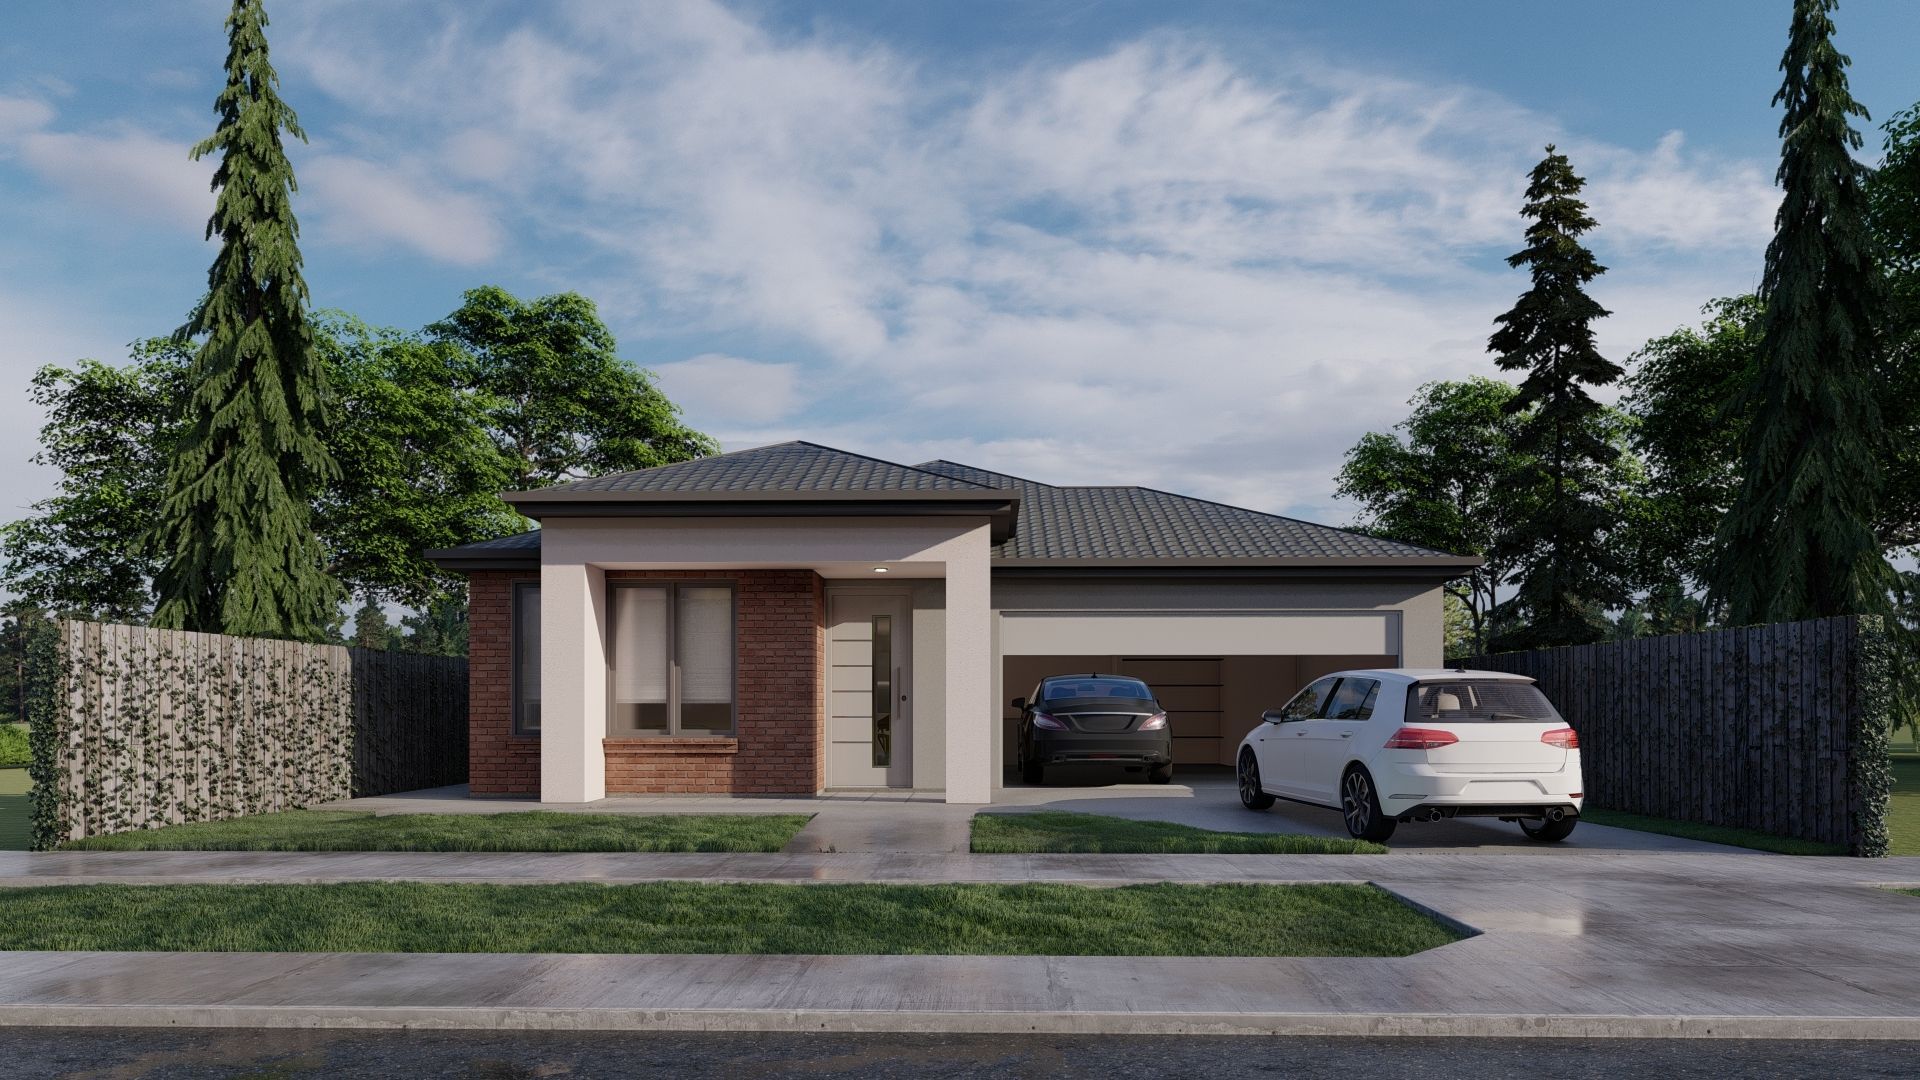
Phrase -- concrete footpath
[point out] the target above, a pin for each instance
(1605, 944)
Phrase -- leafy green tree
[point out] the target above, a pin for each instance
(1448, 481)
(1568, 570)
(84, 550)
(1893, 213)
(1683, 392)
(238, 550)
(418, 469)
(370, 627)
(439, 628)
(560, 403)
(1799, 541)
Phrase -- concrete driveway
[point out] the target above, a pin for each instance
(1206, 797)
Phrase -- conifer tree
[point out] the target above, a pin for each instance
(239, 552)
(1799, 541)
(1567, 571)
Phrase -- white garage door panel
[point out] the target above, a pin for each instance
(1046, 634)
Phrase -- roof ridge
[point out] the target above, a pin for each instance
(989, 472)
(883, 461)
(671, 464)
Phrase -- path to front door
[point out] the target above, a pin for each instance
(870, 658)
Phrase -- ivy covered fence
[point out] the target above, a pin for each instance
(134, 728)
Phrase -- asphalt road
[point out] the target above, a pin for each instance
(126, 1054)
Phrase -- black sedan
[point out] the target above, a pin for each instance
(1071, 719)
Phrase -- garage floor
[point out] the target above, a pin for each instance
(1205, 797)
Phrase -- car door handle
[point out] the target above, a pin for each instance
(1346, 734)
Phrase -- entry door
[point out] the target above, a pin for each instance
(869, 726)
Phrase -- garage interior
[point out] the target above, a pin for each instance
(1211, 701)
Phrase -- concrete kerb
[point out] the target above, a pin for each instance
(1364, 1025)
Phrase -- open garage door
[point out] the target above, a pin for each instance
(1211, 701)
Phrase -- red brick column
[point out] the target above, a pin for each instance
(498, 761)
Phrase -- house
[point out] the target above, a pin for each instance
(795, 618)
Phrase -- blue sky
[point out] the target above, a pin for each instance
(1201, 246)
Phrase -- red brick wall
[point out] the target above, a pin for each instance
(498, 761)
(780, 741)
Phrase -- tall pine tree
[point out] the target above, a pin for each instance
(1798, 541)
(240, 554)
(1568, 573)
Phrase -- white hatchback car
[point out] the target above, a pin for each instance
(1403, 744)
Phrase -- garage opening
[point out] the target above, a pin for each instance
(1211, 701)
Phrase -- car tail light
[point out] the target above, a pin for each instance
(1420, 738)
(1564, 738)
(1042, 720)
(1156, 722)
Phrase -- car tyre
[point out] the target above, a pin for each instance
(1160, 774)
(1360, 808)
(1032, 772)
(1549, 832)
(1248, 772)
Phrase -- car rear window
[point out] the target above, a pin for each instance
(1479, 701)
(1102, 687)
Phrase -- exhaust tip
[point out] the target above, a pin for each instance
(1556, 814)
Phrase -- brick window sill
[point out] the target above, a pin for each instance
(664, 745)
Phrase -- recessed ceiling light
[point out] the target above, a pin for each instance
(879, 569)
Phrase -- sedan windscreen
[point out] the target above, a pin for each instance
(1479, 701)
(1103, 687)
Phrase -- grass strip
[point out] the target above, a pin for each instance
(1903, 810)
(533, 830)
(1712, 834)
(689, 917)
(1096, 834)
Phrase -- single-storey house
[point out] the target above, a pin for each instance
(795, 618)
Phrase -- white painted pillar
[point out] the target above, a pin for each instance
(970, 713)
(573, 682)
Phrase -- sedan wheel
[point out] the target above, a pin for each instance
(1251, 796)
(1361, 808)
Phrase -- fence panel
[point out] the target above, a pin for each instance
(1780, 728)
(144, 727)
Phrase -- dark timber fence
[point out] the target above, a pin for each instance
(134, 728)
(1780, 728)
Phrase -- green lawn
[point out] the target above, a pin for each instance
(687, 917)
(1903, 811)
(1713, 834)
(534, 830)
(1058, 831)
(15, 821)
(13, 745)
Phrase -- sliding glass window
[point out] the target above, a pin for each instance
(673, 660)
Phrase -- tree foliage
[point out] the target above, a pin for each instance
(1799, 539)
(1448, 482)
(237, 548)
(421, 455)
(559, 402)
(1568, 571)
(85, 550)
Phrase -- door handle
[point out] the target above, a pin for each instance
(1346, 734)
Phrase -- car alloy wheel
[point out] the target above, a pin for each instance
(1251, 796)
(1356, 802)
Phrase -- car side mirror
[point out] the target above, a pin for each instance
(1020, 703)
(1273, 716)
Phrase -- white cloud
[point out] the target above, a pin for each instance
(1156, 264)
(135, 173)
(719, 392)
(360, 203)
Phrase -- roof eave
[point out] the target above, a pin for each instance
(1001, 510)
(1437, 569)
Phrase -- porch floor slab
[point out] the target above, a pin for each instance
(1643, 944)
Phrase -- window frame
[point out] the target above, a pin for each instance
(1365, 706)
(672, 586)
(516, 645)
